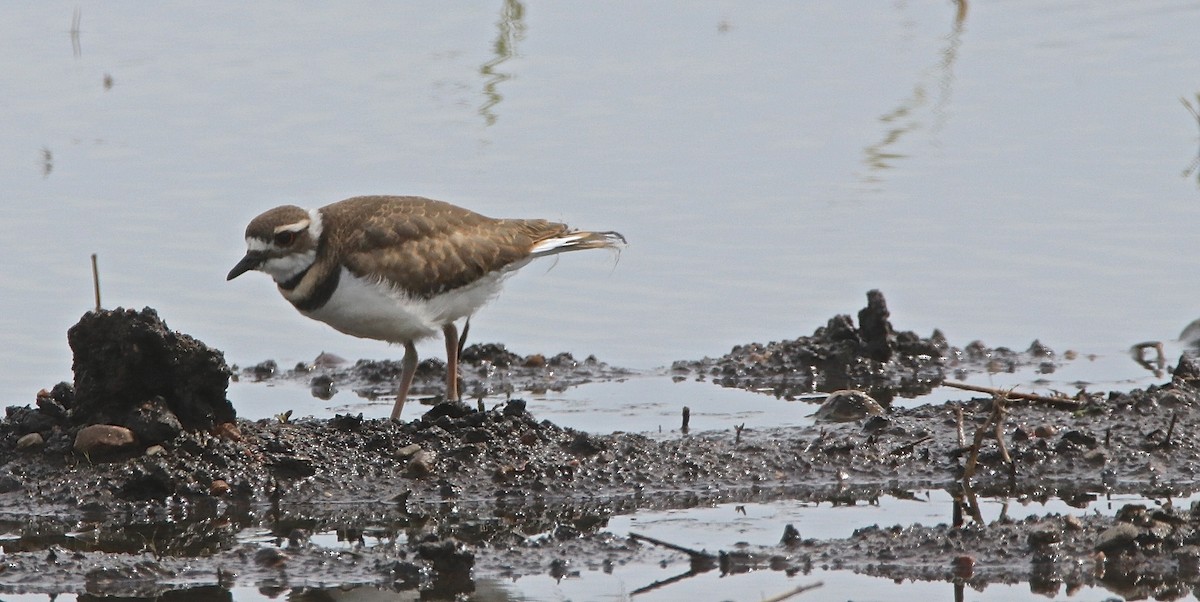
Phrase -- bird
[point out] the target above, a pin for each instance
(400, 268)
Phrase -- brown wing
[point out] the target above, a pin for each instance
(428, 247)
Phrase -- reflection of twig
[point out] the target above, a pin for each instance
(665, 582)
(903, 119)
(966, 501)
(76, 46)
(1064, 402)
(47, 162)
(702, 562)
(1195, 165)
(798, 590)
(1160, 362)
(1195, 113)
(512, 30)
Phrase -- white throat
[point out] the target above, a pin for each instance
(282, 269)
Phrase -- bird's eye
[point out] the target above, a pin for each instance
(285, 238)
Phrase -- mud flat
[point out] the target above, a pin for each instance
(139, 479)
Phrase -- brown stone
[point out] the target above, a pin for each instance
(99, 439)
(228, 430)
(30, 441)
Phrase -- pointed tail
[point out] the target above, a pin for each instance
(578, 241)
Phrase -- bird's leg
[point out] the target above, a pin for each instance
(408, 369)
(451, 332)
(462, 338)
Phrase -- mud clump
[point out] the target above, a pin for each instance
(871, 357)
(132, 373)
(129, 366)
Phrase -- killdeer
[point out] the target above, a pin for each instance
(399, 268)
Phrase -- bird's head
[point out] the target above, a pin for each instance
(281, 242)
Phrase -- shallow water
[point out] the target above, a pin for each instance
(1012, 175)
(718, 527)
(1021, 170)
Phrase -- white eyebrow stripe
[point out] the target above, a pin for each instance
(296, 227)
(256, 245)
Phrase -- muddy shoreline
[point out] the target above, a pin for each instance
(200, 498)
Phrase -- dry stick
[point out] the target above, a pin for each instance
(670, 546)
(998, 419)
(1060, 401)
(1171, 428)
(96, 281)
(799, 590)
(995, 420)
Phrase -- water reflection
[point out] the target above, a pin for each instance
(904, 118)
(1194, 167)
(76, 46)
(511, 30)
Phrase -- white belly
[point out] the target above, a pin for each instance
(375, 311)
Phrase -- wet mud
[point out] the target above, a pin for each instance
(138, 478)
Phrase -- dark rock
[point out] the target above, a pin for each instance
(791, 535)
(515, 407)
(493, 353)
(585, 445)
(124, 358)
(1187, 370)
(446, 556)
(322, 387)
(28, 420)
(875, 329)
(9, 483)
(346, 422)
(263, 370)
(1119, 538)
(449, 409)
(293, 467)
(153, 422)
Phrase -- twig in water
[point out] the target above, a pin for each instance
(737, 431)
(96, 280)
(687, 415)
(1064, 402)
(670, 546)
(908, 447)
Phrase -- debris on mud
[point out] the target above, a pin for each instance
(210, 500)
(872, 357)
